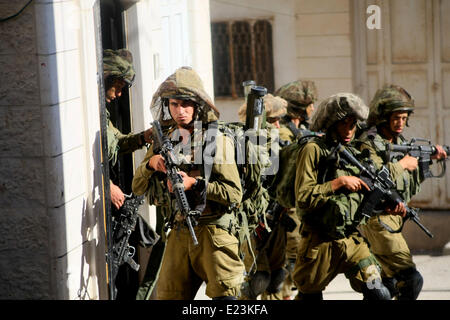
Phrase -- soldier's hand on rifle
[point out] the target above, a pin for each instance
(117, 196)
(351, 183)
(399, 209)
(409, 163)
(188, 181)
(148, 135)
(157, 163)
(440, 153)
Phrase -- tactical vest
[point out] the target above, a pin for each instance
(408, 183)
(339, 217)
(281, 186)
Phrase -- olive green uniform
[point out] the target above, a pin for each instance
(391, 249)
(286, 134)
(216, 258)
(285, 248)
(119, 143)
(262, 256)
(328, 246)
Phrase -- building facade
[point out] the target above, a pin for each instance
(52, 196)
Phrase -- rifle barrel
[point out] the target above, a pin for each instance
(421, 226)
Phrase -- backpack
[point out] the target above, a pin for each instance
(251, 161)
(282, 185)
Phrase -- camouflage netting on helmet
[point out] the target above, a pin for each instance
(299, 95)
(274, 106)
(338, 107)
(386, 100)
(118, 63)
(184, 84)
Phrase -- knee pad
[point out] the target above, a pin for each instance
(409, 284)
(276, 280)
(256, 285)
(391, 284)
(378, 292)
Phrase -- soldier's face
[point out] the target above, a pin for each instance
(310, 110)
(115, 91)
(274, 121)
(182, 111)
(346, 129)
(397, 122)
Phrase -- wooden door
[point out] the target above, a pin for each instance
(411, 49)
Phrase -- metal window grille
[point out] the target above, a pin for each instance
(242, 50)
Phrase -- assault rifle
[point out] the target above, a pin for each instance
(421, 151)
(382, 192)
(124, 224)
(165, 149)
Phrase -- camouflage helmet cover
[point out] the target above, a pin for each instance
(390, 98)
(274, 106)
(336, 108)
(183, 84)
(299, 95)
(118, 63)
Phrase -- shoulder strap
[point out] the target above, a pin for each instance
(209, 150)
(296, 131)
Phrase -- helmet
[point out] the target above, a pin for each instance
(299, 95)
(183, 84)
(389, 99)
(274, 106)
(119, 64)
(336, 108)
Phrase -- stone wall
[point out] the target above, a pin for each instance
(24, 246)
(50, 173)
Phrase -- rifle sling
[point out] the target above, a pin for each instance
(388, 228)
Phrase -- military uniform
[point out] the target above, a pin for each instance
(299, 95)
(216, 258)
(391, 250)
(119, 64)
(119, 143)
(330, 242)
(118, 67)
(264, 258)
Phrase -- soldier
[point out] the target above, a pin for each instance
(275, 109)
(300, 95)
(118, 72)
(179, 102)
(327, 196)
(270, 252)
(390, 110)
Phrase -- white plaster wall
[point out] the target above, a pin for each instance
(283, 18)
(70, 118)
(324, 44)
(148, 44)
(200, 41)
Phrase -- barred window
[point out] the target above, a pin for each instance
(242, 50)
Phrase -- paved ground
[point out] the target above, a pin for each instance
(434, 269)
